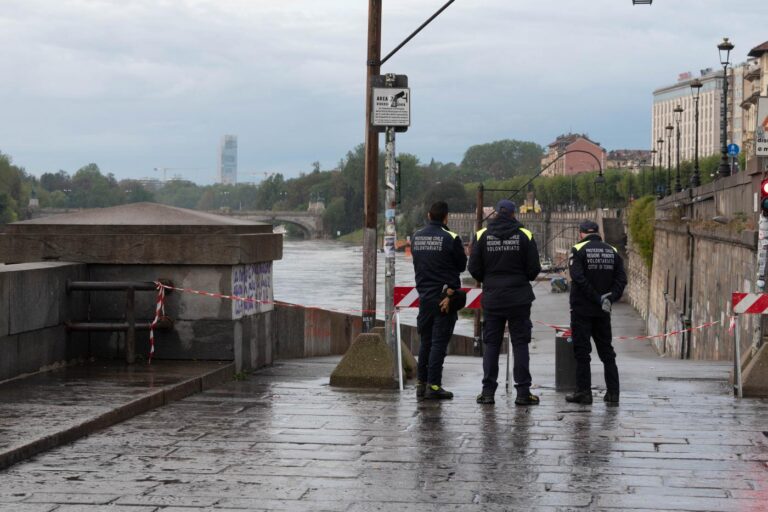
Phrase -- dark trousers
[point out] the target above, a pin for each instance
(599, 329)
(519, 320)
(435, 331)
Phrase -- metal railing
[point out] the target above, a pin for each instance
(129, 326)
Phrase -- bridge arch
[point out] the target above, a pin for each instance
(310, 224)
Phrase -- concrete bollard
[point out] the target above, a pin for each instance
(565, 362)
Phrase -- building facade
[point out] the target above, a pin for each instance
(629, 159)
(666, 99)
(573, 163)
(755, 85)
(228, 160)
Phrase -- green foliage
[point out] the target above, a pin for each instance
(501, 159)
(642, 214)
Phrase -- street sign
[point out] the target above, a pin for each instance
(733, 149)
(391, 106)
(761, 133)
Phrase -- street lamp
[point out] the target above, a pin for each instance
(725, 52)
(600, 180)
(696, 86)
(678, 117)
(668, 184)
(653, 169)
(660, 143)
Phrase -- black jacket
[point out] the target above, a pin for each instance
(505, 259)
(596, 269)
(438, 259)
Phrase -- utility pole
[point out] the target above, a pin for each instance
(373, 68)
(390, 239)
(477, 349)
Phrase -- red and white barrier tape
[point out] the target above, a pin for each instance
(159, 311)
(567, 330)
(259, 301)
(558, 328)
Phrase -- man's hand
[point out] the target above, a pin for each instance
(445, 303)
(605, 302)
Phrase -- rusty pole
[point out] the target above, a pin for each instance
(373, 68)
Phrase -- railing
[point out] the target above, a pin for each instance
(130, 326)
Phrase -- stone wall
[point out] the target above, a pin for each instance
(204, 328)
(638, 278)
(311, 332)
(712, 263)
(705, 249)
(35, 306)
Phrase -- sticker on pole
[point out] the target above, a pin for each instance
(391, 107)
(761, 133)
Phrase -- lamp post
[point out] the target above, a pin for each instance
(678, 117)
(725, 52)
(599, 180)
(668, 184)
(696, 90)
(653, 170)
(660, 143)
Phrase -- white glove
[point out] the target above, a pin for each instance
(605, 301)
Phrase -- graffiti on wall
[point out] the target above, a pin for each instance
(254, 282)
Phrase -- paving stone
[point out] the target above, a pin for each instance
(283, 440)
(27, 507)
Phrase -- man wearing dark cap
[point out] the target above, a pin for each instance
(438, 260)
(505, 260)
(597, 281)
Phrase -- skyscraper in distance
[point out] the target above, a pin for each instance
(228, 160)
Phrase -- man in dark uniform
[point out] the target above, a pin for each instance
(505, 260)
(597, 281)
(438, 259)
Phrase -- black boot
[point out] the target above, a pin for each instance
(580, 397)
(527, 399)
(611, 397)
(421, 388)
(435, 392)
(485, 399)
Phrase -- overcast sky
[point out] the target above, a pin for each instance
(137, 84)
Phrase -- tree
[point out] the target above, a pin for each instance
(58, 181)
(501, 160)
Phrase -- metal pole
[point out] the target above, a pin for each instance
(399, 352)
(696, 178)
(725, 169)
(668, 184)
(130, 318)
(678, 185)
(737, 360)
(653, 171)
(477, 348)
(390, 237)
(371, 170)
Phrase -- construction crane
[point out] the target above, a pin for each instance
(166, 169)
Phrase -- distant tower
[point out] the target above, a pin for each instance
(228, 160)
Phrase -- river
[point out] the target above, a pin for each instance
(328, 275)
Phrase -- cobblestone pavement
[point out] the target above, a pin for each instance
(42, 410)
(285, 440)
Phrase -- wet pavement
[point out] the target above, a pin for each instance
(285, 440)
(45, 410)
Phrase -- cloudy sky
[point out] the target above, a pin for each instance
(137, 84)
